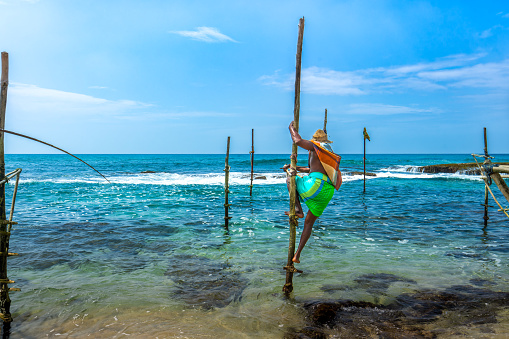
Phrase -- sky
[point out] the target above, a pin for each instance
(165, 77)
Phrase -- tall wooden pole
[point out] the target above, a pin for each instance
(226, 187)
(494, 174)
(366, 136)
(252, 162)
(5, 301)
(290, 269)
(325, 122)
(364, 161)
(486, 217)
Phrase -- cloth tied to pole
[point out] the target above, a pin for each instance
(366, 135)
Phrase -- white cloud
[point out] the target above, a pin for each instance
(32, 102)
(456, 60)
(489, 75)
(486, 34)
(32, 99)
(383, 109)
(490, 31)
(445, 73)
(164, 116)
(7, 2)
(207, 34)
(319, 81)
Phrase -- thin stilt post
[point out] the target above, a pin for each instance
(364, 161)
(325, 122)
(290, 269)
(252, 162)
(493, 174)
(366, 136)
(5, 301)
(486, 217)
(226, 187)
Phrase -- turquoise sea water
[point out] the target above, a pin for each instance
(148, 255)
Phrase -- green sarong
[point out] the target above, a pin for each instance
(315, 190)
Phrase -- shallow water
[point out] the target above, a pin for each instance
(148, 255)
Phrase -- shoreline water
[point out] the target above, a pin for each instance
(148, 255)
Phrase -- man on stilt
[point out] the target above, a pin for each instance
(317, 188)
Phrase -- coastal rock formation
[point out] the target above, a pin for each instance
(205, 283)
(463, 168)
(421, 314)
(368, 174)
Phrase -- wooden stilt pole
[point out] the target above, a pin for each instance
(494, 172)
(252, 162)
(226, 187)
(366, 136)
(325, 122)
(502, 186)
(486, 217)
(364, 161)
(5, 301)
(290, 269)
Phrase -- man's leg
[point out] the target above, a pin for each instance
(306, 233)
(298, 206)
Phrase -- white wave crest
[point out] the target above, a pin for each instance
(235, 178)
(239, 178)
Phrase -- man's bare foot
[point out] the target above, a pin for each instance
(298, 215)
(295, 260)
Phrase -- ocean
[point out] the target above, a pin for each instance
(148, 255)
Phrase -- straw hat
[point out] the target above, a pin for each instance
(320, 136)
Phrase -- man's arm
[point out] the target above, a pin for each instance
(302, 169)
(298, 168)
(306, 144)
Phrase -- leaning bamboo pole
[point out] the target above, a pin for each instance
(325, 122)
(486, 196)
(491, 173)
(495, 171)
(252, 162)
(226, 186)
(290, 269)
(5, 301)
(366, 136)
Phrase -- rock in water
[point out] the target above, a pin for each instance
(205, 283)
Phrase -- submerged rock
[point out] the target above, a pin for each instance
(368, 174)
(205, 283)
(421, 314)
(373, 283)
(378, 283)
(463, 168)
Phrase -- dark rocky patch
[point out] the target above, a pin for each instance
(368, 174)
(378, 283)
(462, 255)
(261, 177)
(481, 282)
(148, 172)
(464, 168)
(408, 316)
(195, 223)
(205, 283)
(373, 283)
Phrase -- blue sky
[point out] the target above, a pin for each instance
(181, 76)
